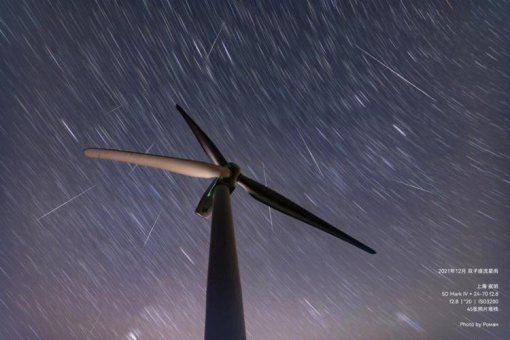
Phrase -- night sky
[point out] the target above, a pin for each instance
(388, 119)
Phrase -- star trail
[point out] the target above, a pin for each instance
(388, 119)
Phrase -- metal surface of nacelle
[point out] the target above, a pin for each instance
(204, 207)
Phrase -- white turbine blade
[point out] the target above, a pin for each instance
(176, 165)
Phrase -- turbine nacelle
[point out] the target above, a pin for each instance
(204, 207)
(235, 173)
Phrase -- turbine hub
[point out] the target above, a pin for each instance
(235, 172)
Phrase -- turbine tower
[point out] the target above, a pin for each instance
(224, 305)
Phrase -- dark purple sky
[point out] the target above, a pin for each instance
(389, 119)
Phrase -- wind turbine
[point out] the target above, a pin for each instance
(224, 305)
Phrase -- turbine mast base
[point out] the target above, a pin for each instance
(224, 316)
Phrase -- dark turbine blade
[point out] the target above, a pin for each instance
(210, 149)
(270, 197)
